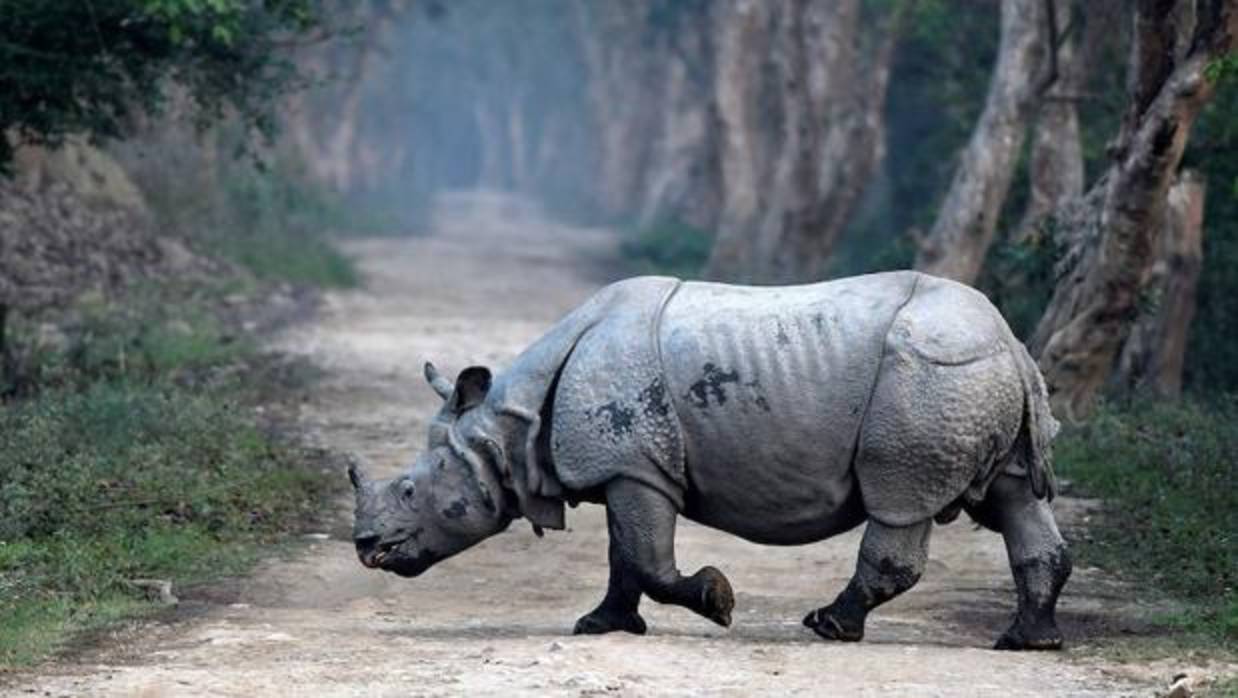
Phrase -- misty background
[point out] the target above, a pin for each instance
(179, 179)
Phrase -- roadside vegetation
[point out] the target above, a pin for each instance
(270, 219)
(131, 449)
(1168, 473)
(668, 247)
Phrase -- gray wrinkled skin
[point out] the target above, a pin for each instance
(784, 415)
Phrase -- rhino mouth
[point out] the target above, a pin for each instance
(375, 558)
(409, 565)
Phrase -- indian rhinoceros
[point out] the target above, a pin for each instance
(784, 415)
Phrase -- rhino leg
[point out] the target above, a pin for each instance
(1038, 557)
(891, 561)
(618, 611)
(642, 532)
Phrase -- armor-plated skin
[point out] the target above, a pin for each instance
(784, 415)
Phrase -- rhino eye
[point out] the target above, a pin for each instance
(407, 488)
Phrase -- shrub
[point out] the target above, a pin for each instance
(1168, 474)
(669, 247)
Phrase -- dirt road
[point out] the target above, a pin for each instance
(496, 620)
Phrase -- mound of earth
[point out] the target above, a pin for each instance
(72, 222)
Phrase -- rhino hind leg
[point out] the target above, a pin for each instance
(1039, 561)
(619, 609)
(891, 561)
(641, 523)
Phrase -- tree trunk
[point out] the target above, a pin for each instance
(517, 144)
(743, 32)
(682, 179)
(1055, 168)
(959, 240)
(490, 136)
(1155, 353)
(801, 94)
(623, 78)
(1114, 236)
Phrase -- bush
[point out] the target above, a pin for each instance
(272, 220)
(1167, 473)
(670, 248)
(133, 455)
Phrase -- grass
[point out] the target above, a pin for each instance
(1168, 474)
(670, 248)
(272, 220)
(132, 452)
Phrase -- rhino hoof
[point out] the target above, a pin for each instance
(824, 623)
(600, 622)
(716, 596)
(1019, 638)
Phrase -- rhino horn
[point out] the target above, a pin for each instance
(441, 385)
(357, 477)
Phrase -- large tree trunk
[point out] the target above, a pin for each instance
(1155, 353)
(959, 240)
(743, 32)
(1055, 168)
(622, 90)
(801, 93)
(1114, 235)
(491, 137)
(682, 179)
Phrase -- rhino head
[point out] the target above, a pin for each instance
(453, 496)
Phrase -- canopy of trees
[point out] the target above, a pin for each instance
(1033, 148)
(1030, 147)
(94, 67)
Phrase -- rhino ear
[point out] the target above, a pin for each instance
(441, 385)
(471, 387)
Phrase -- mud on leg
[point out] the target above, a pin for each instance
(891, 561)
(642, 531)
(618, 611)
(1038, 557)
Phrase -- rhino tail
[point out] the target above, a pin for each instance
(1034, 445)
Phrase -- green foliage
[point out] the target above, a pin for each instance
(1169, 476)
(92, 67)
(135, 456)
(669, 247)
(940, 77)
(272, 220)
(160, 333)
(1019, 278)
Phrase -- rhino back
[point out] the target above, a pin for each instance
(771, 386)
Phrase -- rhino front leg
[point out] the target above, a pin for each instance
(642, 536)
(618, 611)
(891, 561)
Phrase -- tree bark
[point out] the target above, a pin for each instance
(960, 238)
(682, 181)
(621, 88)
(1114, 235)
(801, 93)
(1055, 167)
(1155, 353)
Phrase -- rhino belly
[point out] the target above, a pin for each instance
(770, 386)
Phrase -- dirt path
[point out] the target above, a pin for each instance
(495, 620)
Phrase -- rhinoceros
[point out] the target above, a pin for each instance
(784, 415)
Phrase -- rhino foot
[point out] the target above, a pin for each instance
(831, 625)
(601, 621)
(717, 599)
(1030, 636)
